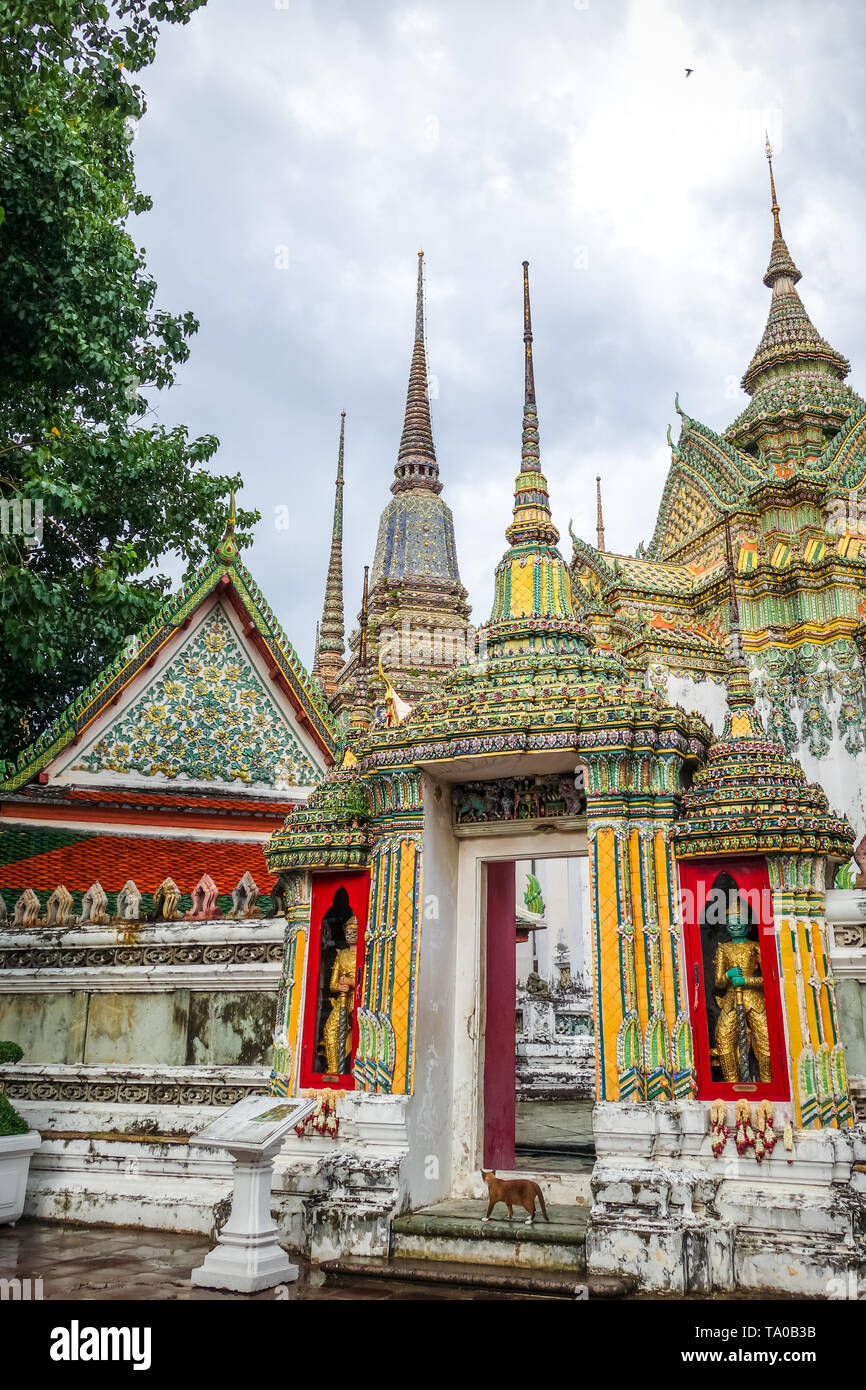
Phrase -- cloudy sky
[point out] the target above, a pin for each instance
(300, 153)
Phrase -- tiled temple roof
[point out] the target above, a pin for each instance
(708, 476)
(159, 812)
(40, 859)
(224, 570)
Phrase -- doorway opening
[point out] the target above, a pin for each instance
(539, 1068)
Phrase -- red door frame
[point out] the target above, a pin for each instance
(500, 946)
(357, 886)
(696, 880)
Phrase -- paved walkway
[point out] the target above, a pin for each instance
(113, 1263)
(554, 1136)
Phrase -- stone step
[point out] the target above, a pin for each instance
(454, 1231)
(550, 1283)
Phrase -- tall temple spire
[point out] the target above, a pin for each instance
(360, 713)
(529, 387)
(330, 646)
(416, 459)
(415, 578)
(532, 517)
(533, 605)
(791, 347)
(599, 517)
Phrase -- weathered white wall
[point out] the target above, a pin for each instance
(427, 1166)
(840, 773)
(708, 697)
(565, 889)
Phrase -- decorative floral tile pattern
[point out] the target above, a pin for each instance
(207, 717)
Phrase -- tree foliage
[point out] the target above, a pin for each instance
(82, 347)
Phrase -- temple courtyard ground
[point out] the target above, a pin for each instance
(110, 1264)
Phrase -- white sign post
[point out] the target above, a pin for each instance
(247, 1257)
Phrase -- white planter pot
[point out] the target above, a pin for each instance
(15, 1153)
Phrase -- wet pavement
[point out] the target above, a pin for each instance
(114, 1264)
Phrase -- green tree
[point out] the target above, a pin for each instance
(81, 346)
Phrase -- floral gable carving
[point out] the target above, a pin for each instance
(208, 717)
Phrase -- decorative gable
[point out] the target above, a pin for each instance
(686, 512)
(265, 644)
(206, 717)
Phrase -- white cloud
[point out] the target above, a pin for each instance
(354, 135)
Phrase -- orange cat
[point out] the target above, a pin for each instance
(514, 1192)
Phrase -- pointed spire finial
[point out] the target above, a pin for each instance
(227, 549)
(777, 229)
(743, 720)
(533, 598)
(739, 688)
(532, 519)
(419, 300)
(529, 393)
(599, 518)
(791, 349)
(416, 458)
(781, 265)
(360, 716)
(365, 611)
(330, 646)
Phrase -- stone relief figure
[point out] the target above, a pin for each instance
(739, 990)
(337, 1032)
(524, 798)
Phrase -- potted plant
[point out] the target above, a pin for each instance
(17, 1143)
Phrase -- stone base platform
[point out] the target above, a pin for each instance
(542, 1283)
(453, 1231)
(680, 1220)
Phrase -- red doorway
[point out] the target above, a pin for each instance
(749, 879)
(500, 989)
(336, 897)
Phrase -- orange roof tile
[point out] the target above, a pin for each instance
(147, 860)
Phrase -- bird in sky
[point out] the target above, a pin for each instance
(689, 72)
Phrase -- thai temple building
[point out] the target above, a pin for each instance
(607, 847)
(417, 615)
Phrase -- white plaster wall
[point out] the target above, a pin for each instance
(840, 773)
(578, 876)
(427, 1166)
(708, 697)
(565, 889)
